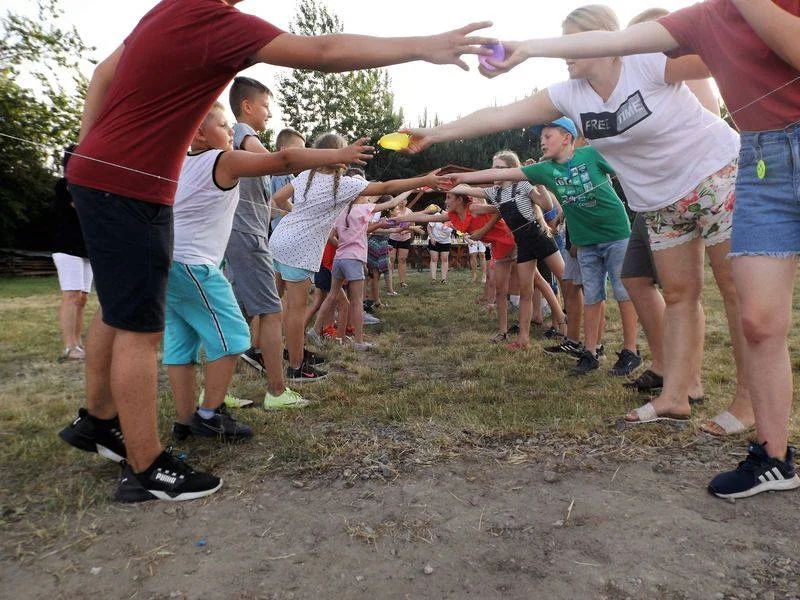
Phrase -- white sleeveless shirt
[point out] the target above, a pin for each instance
(203, 212)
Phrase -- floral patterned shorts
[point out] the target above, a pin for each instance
(707, 212)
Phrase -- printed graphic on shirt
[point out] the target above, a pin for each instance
(575, 187)
(609, 124)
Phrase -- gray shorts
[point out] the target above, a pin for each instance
(639, 256)
(348, 269)
(252, 274)
(572, 270)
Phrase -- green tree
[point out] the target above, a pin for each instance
(40, 114)
(353, 104)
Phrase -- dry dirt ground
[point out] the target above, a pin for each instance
(533, 519)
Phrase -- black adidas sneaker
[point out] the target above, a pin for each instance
(168, 478)
(91, 434)
(757, 473)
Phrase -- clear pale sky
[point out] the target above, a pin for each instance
(446, 90)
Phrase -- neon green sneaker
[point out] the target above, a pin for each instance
(230, 400)
(288, 399)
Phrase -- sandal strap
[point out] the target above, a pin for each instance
(646, 412)
(728, 422)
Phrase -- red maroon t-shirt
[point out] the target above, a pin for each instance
(328, 255)
(751, 77)
(499, 236)
(175, 64)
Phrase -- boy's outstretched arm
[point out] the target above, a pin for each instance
(347, 52)
(96, 93)
(236, 164)
(780, 30)
(489, 175)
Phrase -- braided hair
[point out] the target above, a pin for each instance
(328, 141)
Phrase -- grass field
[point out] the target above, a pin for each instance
(434, 388)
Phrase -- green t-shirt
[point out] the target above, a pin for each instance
(594, 212)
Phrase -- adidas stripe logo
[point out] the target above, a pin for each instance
(773, 474)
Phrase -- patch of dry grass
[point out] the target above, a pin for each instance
(434, 388)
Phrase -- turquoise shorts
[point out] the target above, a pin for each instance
(202, 313)
(293, 274)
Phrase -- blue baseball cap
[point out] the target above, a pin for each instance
(564, 122)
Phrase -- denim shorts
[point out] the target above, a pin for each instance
(599, 261)
(292, 274)
(572, 270)
(766, 218)
(348, 269)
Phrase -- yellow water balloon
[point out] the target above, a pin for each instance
(395, 141)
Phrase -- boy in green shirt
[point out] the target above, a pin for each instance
(598, 227)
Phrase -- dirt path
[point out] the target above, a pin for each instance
(468, 528)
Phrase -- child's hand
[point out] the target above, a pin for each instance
(439, 182)
(357, 153)
(447, 48)
(515, 54)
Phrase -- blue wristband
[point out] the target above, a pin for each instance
(551, 214)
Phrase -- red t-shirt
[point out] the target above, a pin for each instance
(175, 64)
(499, 236)
(328, 255)
(751, 77)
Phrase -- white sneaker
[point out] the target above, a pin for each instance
(230, 401)
(392, 294)
(363, 346)
(370, 320)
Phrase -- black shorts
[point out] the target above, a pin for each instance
(488, 253)
(536, 246)
(129, 243)
(398, 245)
(322, 279)
(639, 257)
(438, 247)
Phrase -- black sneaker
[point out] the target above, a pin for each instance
(600, 351)
(627, 363)
(222, 426)
(312, 358)
(168, 478)
(755, 474)
(181, 432)
(587, 362)
(368, 305)
(305, 374)
(568, 347)
(514, 329)
(646, 382)
(96, 435)
(553, 334)
(254, 359)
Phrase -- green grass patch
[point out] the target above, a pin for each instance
(435, 386)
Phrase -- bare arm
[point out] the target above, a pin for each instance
(533, 110)
(388, 205)
(283, 197)
(466, 190)
(240, 163)
(541, 198)
(483, 209)
(685, 68)
(97, 90)
(345, 52)
(703, 91)
(779, 29)
(420, 217)
(643, 38)
(396, 186)
(489, 175)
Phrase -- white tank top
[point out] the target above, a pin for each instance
(203, 212)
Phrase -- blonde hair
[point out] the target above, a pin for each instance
(216, 106)
(651, 14)
(509, 157)
(328, 141)
(592, 17)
